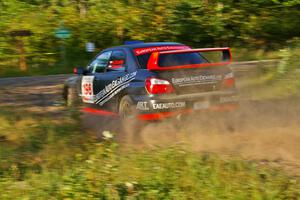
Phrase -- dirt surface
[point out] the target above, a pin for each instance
(265, 131)
(38, 94)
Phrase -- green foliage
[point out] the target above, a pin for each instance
(290, 58)
(266, 25)
(42, 158)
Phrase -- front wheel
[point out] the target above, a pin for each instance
(70, 96)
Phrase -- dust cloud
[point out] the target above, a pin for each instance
(266, 131)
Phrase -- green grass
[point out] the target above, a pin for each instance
(279, 81)
(246, 54)
(45, 157)
(265, 86)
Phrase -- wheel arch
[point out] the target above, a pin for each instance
(119, 97)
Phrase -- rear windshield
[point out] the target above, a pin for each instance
(179, 59)
(143, 60)
(168, 60)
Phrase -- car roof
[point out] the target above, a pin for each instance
(142, 45)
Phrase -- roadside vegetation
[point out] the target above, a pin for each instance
(279, 79)
(254, 29)
(50, 156)
(44, 157)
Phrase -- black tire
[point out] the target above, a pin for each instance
(131, 125)
(126, 108)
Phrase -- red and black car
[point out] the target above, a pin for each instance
(153, 81)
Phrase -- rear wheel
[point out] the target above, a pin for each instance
(126, 108)
(130, 123)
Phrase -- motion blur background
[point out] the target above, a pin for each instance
(51, 151)
(255, 29)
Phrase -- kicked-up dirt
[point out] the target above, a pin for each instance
(266, 131)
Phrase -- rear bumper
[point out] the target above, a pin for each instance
(165, 115)
(153, 108)
(160, 107)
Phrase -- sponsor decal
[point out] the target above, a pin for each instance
(141, 51)
(114, 88)
(194, 80)
(87, 89)
(142, 105)
(160, 106)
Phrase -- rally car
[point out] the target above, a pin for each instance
(153, 81)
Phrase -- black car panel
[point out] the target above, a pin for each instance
(119, 71)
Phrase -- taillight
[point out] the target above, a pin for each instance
(158, 86)
(75, 71)
(228, 81)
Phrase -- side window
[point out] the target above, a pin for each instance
(100, 63)
(117, 61)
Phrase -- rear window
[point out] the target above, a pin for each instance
(143, 53)
(143, 60)
(179, 59)
(168, 60)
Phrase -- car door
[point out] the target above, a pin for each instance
(90, 84)
(108, 75)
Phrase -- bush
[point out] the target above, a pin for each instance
(171, 173)
(290, 58)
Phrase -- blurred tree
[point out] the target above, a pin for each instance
(265, 24)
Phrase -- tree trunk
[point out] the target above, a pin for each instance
(22, 59)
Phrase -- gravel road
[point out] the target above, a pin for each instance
(38, 93)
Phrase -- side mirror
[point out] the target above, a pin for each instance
(78, 70)
(116, 64)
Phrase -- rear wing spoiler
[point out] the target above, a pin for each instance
(153, 63)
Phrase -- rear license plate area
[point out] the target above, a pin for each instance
(201, 105)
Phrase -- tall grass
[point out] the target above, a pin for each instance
(43, 158)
